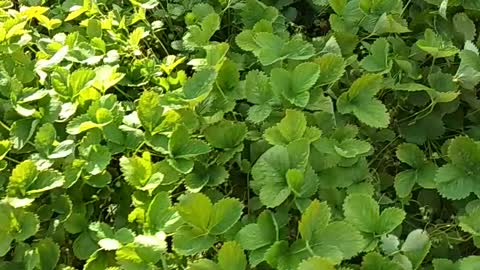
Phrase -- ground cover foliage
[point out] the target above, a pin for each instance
(239, 134)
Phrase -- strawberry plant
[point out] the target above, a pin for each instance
(239, 134)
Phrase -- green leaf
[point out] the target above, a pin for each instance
(46, 180)
(443, 264)
(98, 158)
(225, 213)
(149, 110)
(159, 212)
(182, 146)
(200, 84)
(84, 246)
(456, 180)
(377, 61)
(289, 129)
(150, 247)
(28, 225)
(295, 180)
(436, 46)
(338, 5)
(5, 146)
(270, 171)
(411, 154)
(294, 85)
(23, 175)
(79, 80)
(190, 241)
(468, 73)
(390, 219)
(225, 134)
(48, 252)
(94, 28)
(314, 220)
(416, 247)
(21, 132)
(5, 243)
(231, 257)
(258, 113)
(351, 148)
(391, 24)
(260, 234)
(196, 209)
(452, 183)
(335, 241)
(359, 100)
(45, 138)
(199, 35)
(464, 25)
(332, 68)
(315, 263)
(203, 264)
(375, 261)
(362, 211)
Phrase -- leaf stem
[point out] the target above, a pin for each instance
(4, 125)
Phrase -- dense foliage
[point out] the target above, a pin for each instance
(239, 134)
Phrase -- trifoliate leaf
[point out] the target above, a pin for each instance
(360, 101)
(436, 46)
(377, 61)
(334, 240)
(294, 85)
(456, 180)
(140, 173)
(289, 129)
(363, 212)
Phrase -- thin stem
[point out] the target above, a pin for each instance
(4, 125)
